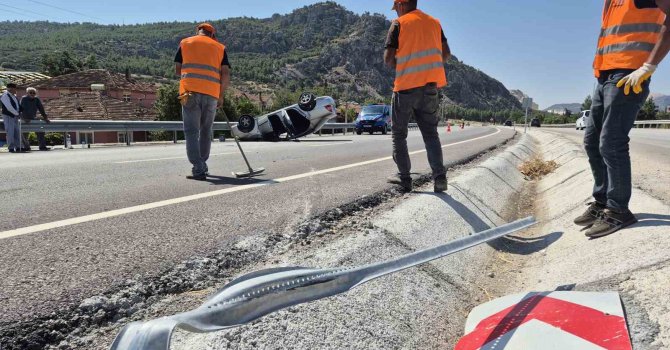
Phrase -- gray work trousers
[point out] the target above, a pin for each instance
(12, 130)
(422, 103)
(198, 115)
(606, 139)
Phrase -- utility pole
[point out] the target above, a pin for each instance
(527, 103)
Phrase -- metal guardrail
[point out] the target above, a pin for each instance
(640, 124)
(107, 125)
(255, 295)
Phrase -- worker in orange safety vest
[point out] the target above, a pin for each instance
(634, 39)
(416, 49)
(203, 66)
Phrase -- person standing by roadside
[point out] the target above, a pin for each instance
(634, 39)
(417, 49)
(11, 111)
(30, 105)
(202, 64)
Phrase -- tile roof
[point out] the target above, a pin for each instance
(84, 80)
(95, 106)
(21, 78)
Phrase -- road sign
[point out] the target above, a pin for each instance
(548, 321)
(527, 103)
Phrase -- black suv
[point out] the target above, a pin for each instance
(535, 122)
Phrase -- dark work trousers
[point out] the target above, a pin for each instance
(41, 139)
(422, 103)
(606, 139)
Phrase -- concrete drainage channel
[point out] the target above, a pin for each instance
(420, 308)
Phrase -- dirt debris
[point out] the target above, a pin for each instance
(537, 168)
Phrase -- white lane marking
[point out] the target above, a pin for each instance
(172, 158)
(168, 202)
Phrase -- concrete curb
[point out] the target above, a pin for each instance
(639, 253)
(419, 308)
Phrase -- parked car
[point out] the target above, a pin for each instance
(374, 118)
(583, 120)
(509, 123)
(535, 123)
(306, 117)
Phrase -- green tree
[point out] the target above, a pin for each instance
(91, 62)
(167, 104)
(567, 113)
(60, 63)
(649, 110)
(586, 105)
(245, 106)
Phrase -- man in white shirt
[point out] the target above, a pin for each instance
(11, 110)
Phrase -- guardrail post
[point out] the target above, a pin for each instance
(127, 138)
(174, 137)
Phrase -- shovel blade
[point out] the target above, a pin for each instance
(251, 173)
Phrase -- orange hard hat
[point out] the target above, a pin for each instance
(396, 2)
(208, 27)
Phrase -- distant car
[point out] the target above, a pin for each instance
(583, 120)
(306, 117)
(509, 123)
(535, 122)
(374, 118)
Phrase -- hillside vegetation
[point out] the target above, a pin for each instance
(322, 45)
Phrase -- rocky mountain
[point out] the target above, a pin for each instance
(560, 107)
(322, 46)
(520, 95)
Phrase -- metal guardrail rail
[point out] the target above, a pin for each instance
(108, 125)
(640, 124)
(67, 126)
(255, 295)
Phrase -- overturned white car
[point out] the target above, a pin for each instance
(308, 116)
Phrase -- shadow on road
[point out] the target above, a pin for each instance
(508, 244)
(525, 246)
(652, 220)
(222, 180)
(309, 141)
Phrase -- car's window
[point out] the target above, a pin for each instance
(588, 114)
(370, 110)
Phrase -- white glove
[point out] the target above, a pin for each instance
(636, 79)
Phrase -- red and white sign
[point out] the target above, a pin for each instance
(548, 321)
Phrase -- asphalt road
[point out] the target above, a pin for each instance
(76, 223)
(649, 149)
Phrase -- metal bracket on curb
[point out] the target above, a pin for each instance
(260, 293)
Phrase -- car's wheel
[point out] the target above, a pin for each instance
(385, 130)
(372, 131)
(307, 101)
(246, 123)
(359, 132)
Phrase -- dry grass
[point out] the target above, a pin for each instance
(536, 168)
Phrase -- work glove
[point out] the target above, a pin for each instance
(636, 79)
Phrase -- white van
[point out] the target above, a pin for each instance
(583, 120)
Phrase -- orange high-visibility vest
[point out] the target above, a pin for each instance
(628, 35)
(201, 66)
(419, 55)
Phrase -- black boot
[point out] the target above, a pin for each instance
(404, 182)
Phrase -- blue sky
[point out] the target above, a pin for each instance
(544, 48)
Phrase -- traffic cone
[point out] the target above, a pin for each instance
(448, 127)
